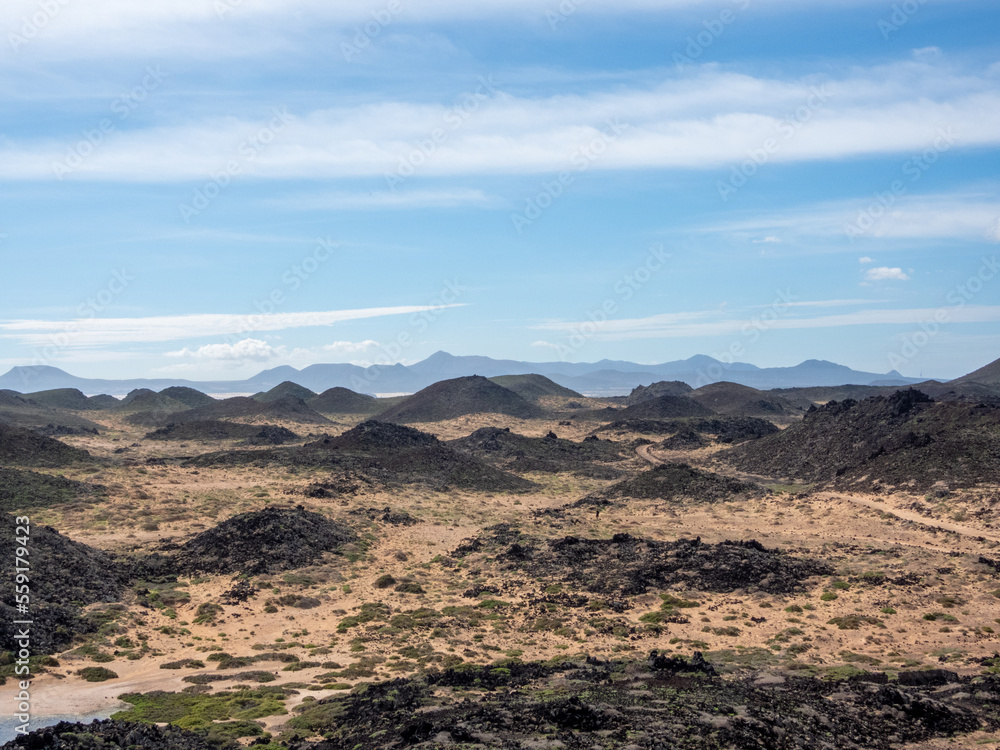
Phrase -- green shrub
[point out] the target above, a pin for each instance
(669, 600)
(184, 664)
(410, 587)
(728, 630)
(97, 674)
(933, 616)
(206, 613)
(854, 622)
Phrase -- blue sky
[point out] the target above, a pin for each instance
(206, 188)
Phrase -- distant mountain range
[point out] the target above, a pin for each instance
(603, 378)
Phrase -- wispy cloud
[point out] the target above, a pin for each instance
(714, 323)
(106, 331)
(710, 119)
(106, 28)
(828, 303)
(964, 214)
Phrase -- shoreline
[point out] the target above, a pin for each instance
(72, 699)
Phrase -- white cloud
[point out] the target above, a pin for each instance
(770, 239)
(865, 259)
(247, 350)
(546, 345)
(709, 119)
(708, 323)
(102, 28)
(883, 273)
(962, 215)
(89, 332)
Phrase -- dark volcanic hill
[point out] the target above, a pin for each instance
(282, 390)
(265, 541)
(449, 399)
(657, 703)
(625, 566)
(533, 387)
(723, 429)
(21, 447)
(676, 482)
(740, 400)
(655, 390)
(641, 702)
(31, 489)
(550, 454)
(146, 407)
(987, 375)
(62, 398)
(187, 396)
(13, 399)
(344, 401)
(383, 453)
(955, 390)
(378, 437)
(664, 407)
(145, 400)
(64, 575)
(103, 401)
(42, 415)
(803, 398)
(211, 429)
(904, 440)
(283, 409)
(112, 733)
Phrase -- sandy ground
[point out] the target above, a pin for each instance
(150, 504)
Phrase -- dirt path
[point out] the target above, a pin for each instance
(643, 451)
(909, 515)
(645, 455)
